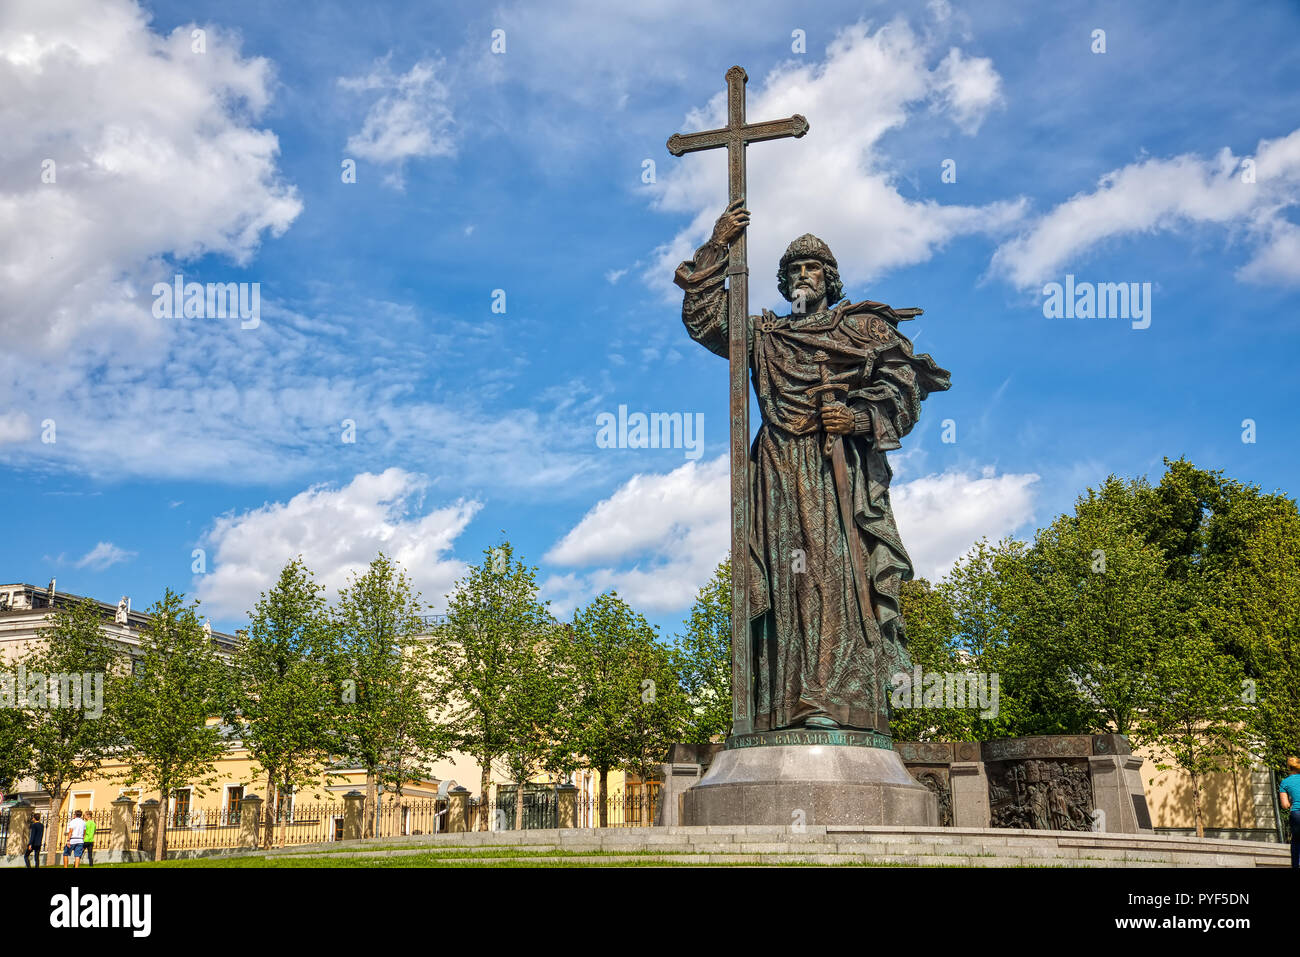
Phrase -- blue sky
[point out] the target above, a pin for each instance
(522, 171)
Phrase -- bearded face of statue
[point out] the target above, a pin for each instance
(806, 279)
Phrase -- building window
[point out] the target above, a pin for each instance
(234, 802)
(283, 807)
(640, 802)
(181, 807)
(338, 829)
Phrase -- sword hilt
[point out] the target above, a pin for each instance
(825, 393)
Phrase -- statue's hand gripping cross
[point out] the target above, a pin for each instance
(735, 136)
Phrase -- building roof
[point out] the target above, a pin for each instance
(40, 599)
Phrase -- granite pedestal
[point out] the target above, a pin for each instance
(808, 784)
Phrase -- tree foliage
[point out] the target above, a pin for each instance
(176, 684)
(494, 619)
(58, 745)
(629, 707)
(283, 697)
(703, 660)
(382, 662)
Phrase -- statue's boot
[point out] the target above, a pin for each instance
(819, 722)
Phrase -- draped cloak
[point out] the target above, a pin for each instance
(814, 653)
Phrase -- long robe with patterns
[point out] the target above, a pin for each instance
(815, 653)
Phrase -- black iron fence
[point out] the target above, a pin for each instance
(398, 817)
(212, 828)
(395, 817)
(540, 809)
(634, 809)
(544, 808)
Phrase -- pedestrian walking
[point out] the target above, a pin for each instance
(35, 836)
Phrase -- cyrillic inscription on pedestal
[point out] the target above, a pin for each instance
(843, 737)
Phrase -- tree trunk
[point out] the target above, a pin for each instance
(268, 815)
(1196, 805)
(604, 797)
(368, 827)
(519, 805)
(485, 781)
(160, 845)
(52, 834)
(284, 818)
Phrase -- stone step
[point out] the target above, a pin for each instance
(609, 860)
(780, 844)
(847, 855)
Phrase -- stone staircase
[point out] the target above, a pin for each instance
(812, 845)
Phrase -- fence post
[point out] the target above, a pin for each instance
(20, 822)
(250, 818)
(458, 810)
(353, 809)
(151, 818)
(566, 806)
(119, 831)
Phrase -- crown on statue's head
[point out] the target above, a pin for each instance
(809, 246)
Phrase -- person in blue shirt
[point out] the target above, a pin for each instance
(1288, 795)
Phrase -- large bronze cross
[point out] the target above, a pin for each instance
(735, 136)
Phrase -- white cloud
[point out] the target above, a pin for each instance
(941, 515)
(338, 531)
(834, 179)
(677, 524)
(968, 87)
(267, 405)
(104, 555)
(658, 538)
(1167, 194)
(411, 117)
(158, 160)
(15, 427)
(597, 56)
(154, 155)
(649, 512)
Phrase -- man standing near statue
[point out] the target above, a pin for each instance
(838, 386)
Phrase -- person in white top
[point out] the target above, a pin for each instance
(76, 841)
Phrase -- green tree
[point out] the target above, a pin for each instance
(1239, 548)
(703, 660)
(493, 618)
(972, 622)
(178, 683)
(614, 653)
(382, 661)
(1257, 597)
(15, 748)
(63, 744)
(1196, 717)
(537, 714)
(283, 697)
(659, 720)
(1105, 608)
(932, 644)
(1176, 515)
